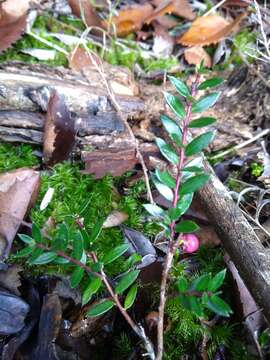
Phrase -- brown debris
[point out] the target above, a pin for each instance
(18, 192)
(196, 54)
(59, 131)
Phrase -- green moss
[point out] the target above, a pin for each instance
(16, 156)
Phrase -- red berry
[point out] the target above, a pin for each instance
(191, 243)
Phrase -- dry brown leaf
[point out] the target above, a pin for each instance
(208, 30)
(80, 60)
(196, 54)
(84, 10)
(18, 191)
(12, 21)
(115, 218)
(130, 19)
(163, 41)
(180, 8)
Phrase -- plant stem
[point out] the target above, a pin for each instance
(136, 328)
(171, 244)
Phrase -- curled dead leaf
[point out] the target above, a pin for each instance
(13, 16)
(206, 30)
(129, 19)
(86, 11)
(196, 54)
(181, 8)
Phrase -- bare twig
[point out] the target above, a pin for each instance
(214, 8)
(243, 144)
(172, 244)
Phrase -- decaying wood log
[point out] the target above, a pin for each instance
(251, 259)
(25, 92)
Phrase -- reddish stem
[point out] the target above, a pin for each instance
(171, 244)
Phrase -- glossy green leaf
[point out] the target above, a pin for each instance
(60, 261)
(24, 252)
(126, 281)
(217, 281)
(210, 83)
(35, 254)
(201, 122)
(184, 203)
(154, 210)
(61, 241)
(186, 226)
(199, 143)
(131, 296)
(164, 190)
(167, 151)
(93, 286)
(205, 102)
(174, 213)
(172, 128)
(201, 283)
(36, 233)
(218, 306)
(45, 258)
(166, 178)
(27, 239)
(100, 308)
(76, 276)
(192, 169)
(175, 104)
(182, 284)
(194, 183)
(115, 253)
(77, 246)
(180, 86)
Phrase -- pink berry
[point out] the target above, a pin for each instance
(191, 243)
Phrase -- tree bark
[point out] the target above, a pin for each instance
(242, 244)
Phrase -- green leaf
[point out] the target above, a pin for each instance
(184, 203)
(164, 190)
(154, 210)
(100, 308)
(126, 281)
(166, 178)
(175, 104)
(205, 102)
(27, 239)
(218, 306)
(115, 253)
(172, 128)
(76, 276)
(199, 143)
(61, 241)
(24, 252)
(174, 213)
(36, 233)
(201, 283)
(192, 169)
(217, 281)
(77, 246)
(45, 258)
(182, 284)
(35, 254)
(195, 305)
(201, 122)
(167, 151)
(91, 289)
(180, 86)
(60, 261)
(194, 183)
(96, 230)
(210, 83)
(131, 296)
(186, 226)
